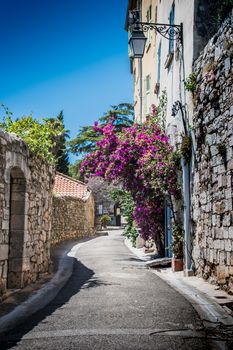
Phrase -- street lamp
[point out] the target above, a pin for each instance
(137, 39)
(137, 43)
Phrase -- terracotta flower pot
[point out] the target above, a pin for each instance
(177, 264)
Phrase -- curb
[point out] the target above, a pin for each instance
(207, 308)
(42, 297)
(210, 312)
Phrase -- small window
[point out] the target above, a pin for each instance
(149, 13)
(148, 83)
(100, 209)
(171, 22)
(149, 32)
(159, 63)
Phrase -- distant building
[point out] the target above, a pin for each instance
(104, 204)
(73, 209)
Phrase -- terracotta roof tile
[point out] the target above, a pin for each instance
(67, 186)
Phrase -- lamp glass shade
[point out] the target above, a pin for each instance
(137, 43)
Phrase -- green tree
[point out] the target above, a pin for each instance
(127, 206)
(122, 116)
(39, 136)
(60, 149)
(85, 141)
(74, 170)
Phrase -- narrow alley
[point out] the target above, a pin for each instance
(111, 302)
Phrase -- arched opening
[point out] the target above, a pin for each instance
(16, 229)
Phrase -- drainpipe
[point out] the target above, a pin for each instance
(177, 106)
(187, 241)
(140, 88)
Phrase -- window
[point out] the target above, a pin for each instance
(148, 83)
(100, 209)
(147, 94)
(159, 63)
(156, 14)
(149, 20)
(171, 21)
(149, 14)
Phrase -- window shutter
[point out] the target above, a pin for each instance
(171, 21)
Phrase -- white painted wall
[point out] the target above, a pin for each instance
(172, 78)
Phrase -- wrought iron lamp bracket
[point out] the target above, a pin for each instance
(168, 31)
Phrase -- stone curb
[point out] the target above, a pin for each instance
(209, 311)
(207, 308)
(42, 297)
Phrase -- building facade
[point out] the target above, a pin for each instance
(73, 213)
(167, 75)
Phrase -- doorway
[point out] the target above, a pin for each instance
(16, 229)
(168, 229)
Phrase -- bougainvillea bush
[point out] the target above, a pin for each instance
(141, 158)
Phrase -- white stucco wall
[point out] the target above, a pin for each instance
(172, 77)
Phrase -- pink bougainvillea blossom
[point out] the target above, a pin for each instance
(140, 157)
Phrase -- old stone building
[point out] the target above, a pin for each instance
(25, 214)
(73, 209)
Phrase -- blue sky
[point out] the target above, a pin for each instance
(68, 55)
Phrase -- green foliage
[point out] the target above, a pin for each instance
(190, 83)
(105, 220)
(222, 10)
(186, 148)
(85, 141)
(74, 170)
(127, 206)
(60, 151)
(121, 115)
(177, 243)
(176, 156)
(40, 137)
(162, 109)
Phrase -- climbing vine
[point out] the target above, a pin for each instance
(140, 158)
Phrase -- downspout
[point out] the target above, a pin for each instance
(139, 7)
(186, 182)
(186, 192)
(140, 88)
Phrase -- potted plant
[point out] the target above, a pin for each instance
(177, 247)
(105, 220)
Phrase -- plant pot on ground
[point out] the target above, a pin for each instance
(105, 220)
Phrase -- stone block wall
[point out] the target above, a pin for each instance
(212, 211)
(25, 214)
(72, 217)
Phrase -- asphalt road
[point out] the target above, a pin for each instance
(111, 302)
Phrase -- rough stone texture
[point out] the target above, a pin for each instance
(72, 217)
(212, 212)
(25, 214)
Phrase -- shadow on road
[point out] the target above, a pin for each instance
(81, 275)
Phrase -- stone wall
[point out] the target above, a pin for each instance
(72, 217)
(213, 169)
(25, 214)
